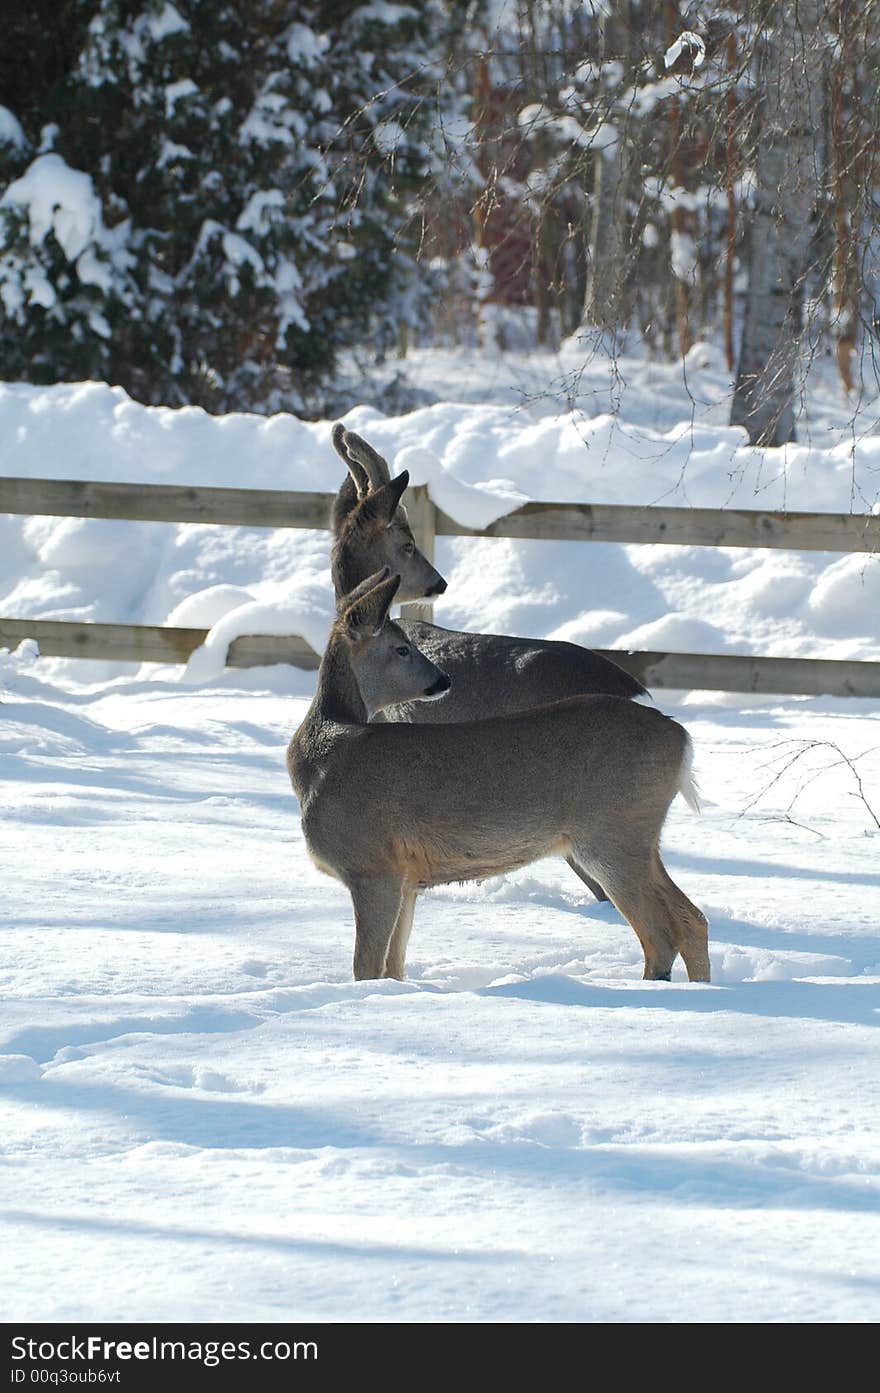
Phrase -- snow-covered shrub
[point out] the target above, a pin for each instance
(213, 197)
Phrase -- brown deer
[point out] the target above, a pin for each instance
(491, 674)
(391, 808)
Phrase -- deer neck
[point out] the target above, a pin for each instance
(338, 696)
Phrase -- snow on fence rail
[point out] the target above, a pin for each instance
(842, 532)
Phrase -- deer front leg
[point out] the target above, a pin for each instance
(395, 962)
(376, 901)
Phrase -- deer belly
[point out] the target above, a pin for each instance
(438, 864)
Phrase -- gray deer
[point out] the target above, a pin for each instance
(491, 674)
(391, 808)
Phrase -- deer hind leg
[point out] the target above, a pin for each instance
(396, 959)
(377, 901)
(666, 921)
(592, 885)
(687, 924)
(629, 883)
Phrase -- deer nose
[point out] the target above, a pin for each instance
(441, 685)
(438, 587)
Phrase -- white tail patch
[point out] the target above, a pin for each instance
(687, 784)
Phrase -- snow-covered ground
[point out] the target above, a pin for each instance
(205, 1118)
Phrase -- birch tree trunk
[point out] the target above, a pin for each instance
(605, 304)
(785, 195)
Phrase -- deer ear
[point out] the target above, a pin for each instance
(383, 503)
(359, 591)
(346, 500)
(374, 465)
(383, 597)
(358, 473)
(369, 611)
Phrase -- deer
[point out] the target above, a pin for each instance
(370, 527)
(494, 673)
(392, 808)
(491, 674)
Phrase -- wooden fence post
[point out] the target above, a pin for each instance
(423, 521)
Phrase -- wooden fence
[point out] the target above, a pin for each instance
(834, 532)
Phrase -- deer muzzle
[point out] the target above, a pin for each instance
(437, 689)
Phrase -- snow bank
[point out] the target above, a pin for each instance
(479, 459)
(206, 664)
(90, 430)
(18, 1068)
(473, 506)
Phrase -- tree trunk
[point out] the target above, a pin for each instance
(847, 161)
(785, 195)
(866, 214)
(605, 305)
(731, 166)
(482, 204)
(682, 219)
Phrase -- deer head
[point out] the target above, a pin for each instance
(387, 667)
(370, 526)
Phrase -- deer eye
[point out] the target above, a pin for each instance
(402, 652)
(409, 548)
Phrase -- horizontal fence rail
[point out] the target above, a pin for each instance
(139, 643)
(734, 672)
(726, 672)
(77, 498)
(149, 643)
(687, 527)
(561, 522)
